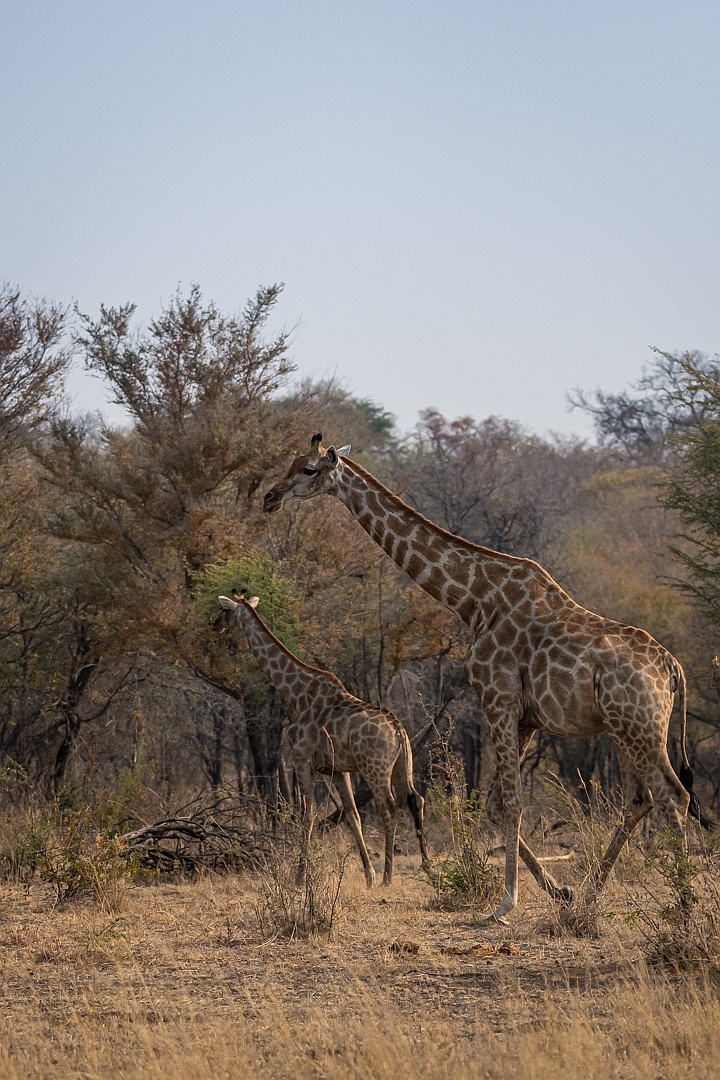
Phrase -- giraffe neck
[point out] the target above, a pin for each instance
(289, 674)
(463, 576)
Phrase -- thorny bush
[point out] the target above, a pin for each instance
(80, 860)
(681, 921)
(288, 909)
(464, 873)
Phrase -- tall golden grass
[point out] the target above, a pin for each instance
(643, 1030)
(248, 975)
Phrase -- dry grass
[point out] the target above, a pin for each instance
(186, 983)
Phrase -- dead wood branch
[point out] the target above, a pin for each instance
(222, 834)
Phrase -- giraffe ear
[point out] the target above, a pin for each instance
(254, 601)
(226, 603)
(344, 450)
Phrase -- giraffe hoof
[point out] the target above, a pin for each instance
(495, 920)
(566, 896)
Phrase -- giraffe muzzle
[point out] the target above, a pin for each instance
(272, 502)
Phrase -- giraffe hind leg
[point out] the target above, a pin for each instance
(385, 803)
(598, 880)
(344, 787)
(402, 786)
(643, 788)
(307, 793)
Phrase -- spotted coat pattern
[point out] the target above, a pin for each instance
(336, 734)
(539, 661)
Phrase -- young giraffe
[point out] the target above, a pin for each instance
(539, 661)
(334, 733)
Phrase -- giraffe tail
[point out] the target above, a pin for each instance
(415, 801)
(687, 773)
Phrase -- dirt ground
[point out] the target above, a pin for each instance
(184, 980)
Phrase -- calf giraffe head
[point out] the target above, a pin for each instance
(226, 618)
(309, 475)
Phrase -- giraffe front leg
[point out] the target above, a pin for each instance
(503, 720)
(496, 816)
(564, 893)
(512, 846)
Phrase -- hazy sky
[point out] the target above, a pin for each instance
(474, 206)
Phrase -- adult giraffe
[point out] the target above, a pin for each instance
(539, 661)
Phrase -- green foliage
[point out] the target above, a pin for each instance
(112, 931)
(693, 489)
(378, 420)
(81, 861)
(279, 598)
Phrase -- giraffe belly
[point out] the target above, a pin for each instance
(570, 727)
(574, 717)
(340, 763)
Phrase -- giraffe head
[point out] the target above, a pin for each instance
(231, 608)
(309, 475)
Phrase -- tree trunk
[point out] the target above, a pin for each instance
(81, 672)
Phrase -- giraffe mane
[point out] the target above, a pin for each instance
(468, 545)
(292, 656)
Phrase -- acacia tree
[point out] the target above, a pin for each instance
(33, 363)
(639, 425)
(150, 507)
(665, 435)
(34, 358)
(492, 482)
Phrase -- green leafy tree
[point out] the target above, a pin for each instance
(693, 488)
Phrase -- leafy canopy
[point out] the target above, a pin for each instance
(279, 598)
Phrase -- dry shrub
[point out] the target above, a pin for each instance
(671, 890)
(70, 850)
(24, 837)
(463, 873)
(679, 911)
(311, 909)
(81, 861)
(589, 822)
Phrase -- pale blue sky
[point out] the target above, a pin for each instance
(474, 206)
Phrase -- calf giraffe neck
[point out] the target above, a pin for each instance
(298, 682)
(538, 660)
(334, 733)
